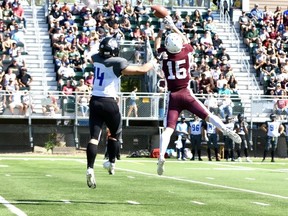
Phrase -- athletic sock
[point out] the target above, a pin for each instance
(91, 153)
(112, 149)
(215, 120)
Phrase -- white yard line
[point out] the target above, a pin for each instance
(11, 207)
(133, 202)
(66, 201)
(198, 203)
(262, 204)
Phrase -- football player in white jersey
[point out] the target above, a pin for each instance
(182, 132)
(211, 136)
(108, 68)
(195, 130)
(273, 129)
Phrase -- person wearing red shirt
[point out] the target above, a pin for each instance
(18, 12)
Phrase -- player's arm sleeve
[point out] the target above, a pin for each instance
(121, 65)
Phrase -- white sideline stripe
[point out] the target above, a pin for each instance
(252, 179)
(66, 201)
(262, 204)
(12, 208)
(133, 202)
(199, 203)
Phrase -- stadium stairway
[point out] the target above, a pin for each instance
(39, 59)
(245, 85)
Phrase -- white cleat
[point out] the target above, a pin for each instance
(248, 160)
(160, 168)
(90, 178)
(232, 135)
(239, 159)
(110, 167)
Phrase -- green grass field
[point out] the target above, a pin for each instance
(56, 185)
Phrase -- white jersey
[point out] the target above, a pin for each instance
(106, 75)
(273, 129)
(182, 127)
(230, 125)
(211, 129)
(196, 127)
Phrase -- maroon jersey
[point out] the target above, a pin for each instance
(177, 73)
(177, 68)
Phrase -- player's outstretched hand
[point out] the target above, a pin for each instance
(168, 22)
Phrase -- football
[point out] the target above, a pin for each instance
(159, 11)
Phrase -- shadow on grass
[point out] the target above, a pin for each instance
(53, 202)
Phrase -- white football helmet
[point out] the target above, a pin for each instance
(173, 43)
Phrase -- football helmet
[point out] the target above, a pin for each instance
(109, 47)
(173, 43)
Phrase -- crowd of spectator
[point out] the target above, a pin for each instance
(265, 33)
(14, 79)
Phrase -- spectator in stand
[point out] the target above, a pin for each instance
(18, 13)
(24, 79)
(267, 70)
(196, 17)
(211, 102)
(75, 9)
(125, 25)
(82, 87)
(68, 89)
(217, 42)
(188, 25)
(129, 10)
(112, 20)
(55, 15)
(89, 24)
(224, 65)
(252, 36)
(208, 16)
(210, 26)
(118, 8)
(206, 84)
(222, 54)
(108, 8)
(243, 22)
(226, 107)
(271, 86)
(65, 8)
(233, 84)
(15, 101)
(140, 10)
(206, 40)
(6, 46)
(7, 11)
(83, 103)
(89, 80)
(18, 36)
(59, 55)
(65, 73)
(50, 105)
(117, 33)
(82, 42)
(221, 82)
(256, 13)
(261, 59)
(285, 17)
(27, 103)
(148, 31)
(225, 90)
(9, 76)
(137, 34)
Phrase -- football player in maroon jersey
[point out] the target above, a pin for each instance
(176, 67)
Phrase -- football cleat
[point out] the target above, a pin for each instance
(232, 135)
(248, 160)
(90, 178)
(160, 167)
(110, 167)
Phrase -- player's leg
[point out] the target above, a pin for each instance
(267, 146)
(95, 125)
(114, 123)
